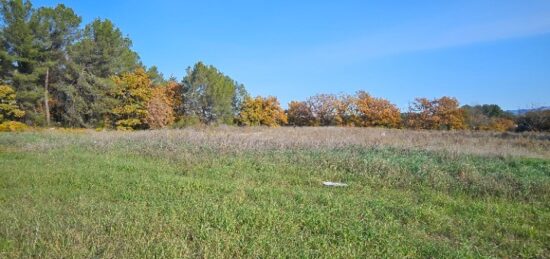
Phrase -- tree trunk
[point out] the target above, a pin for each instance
(46, 101)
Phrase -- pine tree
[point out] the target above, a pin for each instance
(210, 95)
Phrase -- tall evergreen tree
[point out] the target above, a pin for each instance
(55, 30)
(210, 95)
(157, 78)
(103, 51)
(19, 56)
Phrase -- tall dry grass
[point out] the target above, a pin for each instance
(237, 139)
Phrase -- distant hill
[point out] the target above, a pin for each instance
(524, 111)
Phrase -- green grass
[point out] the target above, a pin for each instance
(77, 200)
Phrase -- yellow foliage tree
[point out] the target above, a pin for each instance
(442, 113)
(262, 111)
(9, 112)
(133, 92)
(376, 112)
(8, 106)
(500, 124)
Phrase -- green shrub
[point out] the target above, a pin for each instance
(186, 122)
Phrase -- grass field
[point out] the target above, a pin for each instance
(257, 192)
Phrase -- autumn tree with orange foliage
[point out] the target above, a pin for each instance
(442, 113)
(262, 111)
(175, 90)
(133, 92)
(345, 108)
(488, 117)
(376, 112)
(299, 114)
(320, 110)
(160, 109)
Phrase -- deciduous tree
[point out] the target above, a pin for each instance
(488, 117)
(262, 111)
(346, 111)
(376, 112)
(538, 120)
(500, 124)
(133, 92)
(323, 107)
(300, 114)
(160, 107)
(442, 113)
(9, 111)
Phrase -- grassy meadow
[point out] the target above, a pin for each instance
(257, 192)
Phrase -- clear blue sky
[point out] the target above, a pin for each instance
(479, 51)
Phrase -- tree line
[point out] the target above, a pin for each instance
(56, 72)
(445, 113)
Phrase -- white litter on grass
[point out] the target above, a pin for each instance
(334, 184)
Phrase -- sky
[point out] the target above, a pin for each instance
(479, 51)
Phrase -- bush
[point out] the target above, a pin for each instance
(186, 122)
(500, 124)
(13, 126)
(534, 121)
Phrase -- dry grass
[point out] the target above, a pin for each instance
(234, 139)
